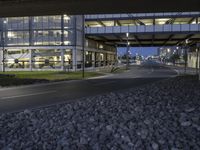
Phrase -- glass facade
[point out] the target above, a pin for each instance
(42, 30)
(48, 42)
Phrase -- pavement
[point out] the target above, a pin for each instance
(181, 70)
(36, 96)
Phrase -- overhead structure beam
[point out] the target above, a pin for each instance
(119, 39)
(187, 37)
(101, 23)
(103, 38)
(191, 20)
(137, 39)
(170, 37)
(143, 45)
(53, 7)
(152, 41)
(172, 20)
(118, 22)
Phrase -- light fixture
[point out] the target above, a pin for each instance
(66, 17)
(127, 34)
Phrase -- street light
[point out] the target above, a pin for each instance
(3, 43)
(197, 60)
(83, 46)
(127, 51)
(185, 54)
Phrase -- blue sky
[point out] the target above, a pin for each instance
(144, 51)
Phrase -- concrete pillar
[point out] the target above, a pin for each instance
(74, 58)
(31, 59)
(199, 61)
(93, 59)
(1, 60)
(62, 54)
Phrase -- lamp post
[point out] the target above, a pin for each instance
(127, 52)
(198, 49)
(197, 60)
(83, 46)
(185, 55)
(3, 44)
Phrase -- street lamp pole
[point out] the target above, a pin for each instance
(3, 45)
(197, 60)
(127, 51)
(83, 46)
(3, 49)
(198, 49)
(186, 54)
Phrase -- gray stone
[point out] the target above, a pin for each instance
(186, 123)
(155, 146)
(83, 140)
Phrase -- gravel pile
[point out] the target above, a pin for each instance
(163, 115)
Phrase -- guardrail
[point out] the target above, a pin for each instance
(141, 15)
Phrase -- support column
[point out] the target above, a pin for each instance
(199, 61)
(62, 54)
(31, 59)
(74, 58)
(93, 60)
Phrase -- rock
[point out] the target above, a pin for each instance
(155, 146)
(147, 121)
(186, 123)
(109, 127)
(189, 109)
(142, 133)
(83, 140)
(154, 116)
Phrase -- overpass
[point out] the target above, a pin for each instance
(152, 29)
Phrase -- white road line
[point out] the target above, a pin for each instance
(27, 95)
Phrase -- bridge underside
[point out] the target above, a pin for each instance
(52, 7)
(146, 40)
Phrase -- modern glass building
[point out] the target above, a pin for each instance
(50, 42)
(56, 42)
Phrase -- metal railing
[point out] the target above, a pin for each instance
(141, 15)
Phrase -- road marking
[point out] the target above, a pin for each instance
(27, 95)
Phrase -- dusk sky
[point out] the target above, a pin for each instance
(144, 51)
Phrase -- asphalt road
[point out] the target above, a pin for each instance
(35, 96)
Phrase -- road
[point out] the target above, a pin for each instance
(35, 96)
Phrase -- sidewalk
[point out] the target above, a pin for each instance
(181, 70)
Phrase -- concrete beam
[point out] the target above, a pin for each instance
(53, 7)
